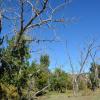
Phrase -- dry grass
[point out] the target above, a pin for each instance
(68, 96)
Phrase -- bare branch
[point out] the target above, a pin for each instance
(89, 49)
(70, 61)
(41, 90)
(31, 20)
(45, 22)
(22, 11)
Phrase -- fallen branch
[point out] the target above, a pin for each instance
(41, 90)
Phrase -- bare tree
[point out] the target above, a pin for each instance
(83, 60)
(74, 81)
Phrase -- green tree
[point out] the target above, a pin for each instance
(42, 76)
(14, 64)
(59, 80)
(44, 62)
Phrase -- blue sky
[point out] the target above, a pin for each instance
(87, 27)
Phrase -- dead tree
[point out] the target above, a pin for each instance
(74, 81)
(84, 57)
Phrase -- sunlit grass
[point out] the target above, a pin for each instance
(83, 95)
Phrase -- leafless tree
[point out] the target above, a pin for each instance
(74, 81)
(83, 60)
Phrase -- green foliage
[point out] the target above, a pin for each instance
(44, 60)
(69, 82)
(17, 73)
(42, 77)
(82, 84)
(58, 80)
(14, 69)
(41, 80)
(94, 76)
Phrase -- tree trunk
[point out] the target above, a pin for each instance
(75, 87)
(19, 90)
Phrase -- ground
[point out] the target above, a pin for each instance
(64, 96)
